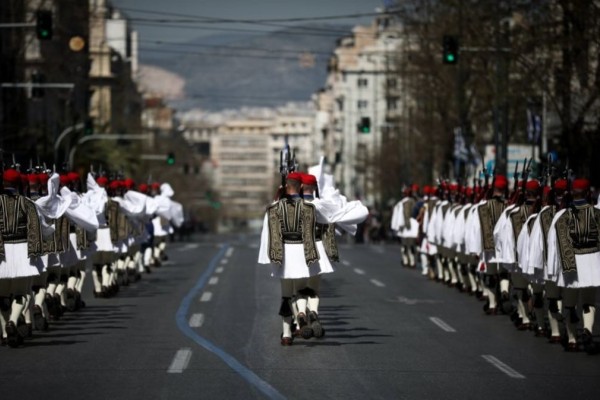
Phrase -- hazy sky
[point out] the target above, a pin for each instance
(237, 9)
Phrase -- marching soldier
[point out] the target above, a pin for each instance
(20, 254)
(288, 243)
(487, 214)
(573, 259)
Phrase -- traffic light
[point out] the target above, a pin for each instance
(450, 49)
(37, 91)
(43, 24)
(364, 126)
(88, 127)
(171, 158)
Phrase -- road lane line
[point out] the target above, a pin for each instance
(377, 283)
(346, 262)
(502, 367)
(229, 252)
(359, 271)
(206, 296)
(180, 361)
(214, 280)
(188, 246)
(443, 325)
(219, 270)
(196, 320)
(181, 318)
(224, 261)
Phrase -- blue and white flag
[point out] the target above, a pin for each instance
(534, 127)
(461, 152)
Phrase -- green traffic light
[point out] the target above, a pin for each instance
(170, 161)
(450, 58)
(44, 34)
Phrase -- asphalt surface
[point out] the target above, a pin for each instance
(205, 326)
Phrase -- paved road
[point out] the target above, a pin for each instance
(205, 325)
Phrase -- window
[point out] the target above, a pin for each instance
(363, 82)
(362, 104)
(392, 103)
(392, 83)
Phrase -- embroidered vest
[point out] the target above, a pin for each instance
(292, 221)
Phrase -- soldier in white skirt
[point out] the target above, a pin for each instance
(573, 260)
(289, 245)
(20, 254)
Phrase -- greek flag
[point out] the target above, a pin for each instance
(461, 152)
(534, 127)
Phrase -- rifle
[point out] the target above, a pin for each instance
(525, 176)
(551, 180)
(490, 190)
(567, 200)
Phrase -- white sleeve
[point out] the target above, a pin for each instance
(79, 213)
(473, 243)
(263, 252)
(535, 258)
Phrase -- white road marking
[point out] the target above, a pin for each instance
(219, 270)
(213, 280)
(189, 246)
(502, 367)
(346, 262)
(412, 302)
(377, 283)
(378, 249)
(180, 361)
(443, 325)
(359, 271)
(206, 296)
(224, 261)
(253, 246)
(229, 252)
(196, 320)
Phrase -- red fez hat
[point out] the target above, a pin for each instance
(43, 177)
(73, 176)
(129, 183)
(581, 184)
(102, 181)
(560, 184)
(156, 186)
(501, 182)
(532, 185)
(33, 178)
(547, 190)
(414, 187)
(453, 187)
(11, 175)
(295, 176)
(64, 180)
(143, 188)
(427, 189)
(468, 191)
(308, 179)
(115, 184)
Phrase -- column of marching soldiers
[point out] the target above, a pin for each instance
(53, 236)
(532, 253)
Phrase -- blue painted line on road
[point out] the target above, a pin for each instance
(234, 364)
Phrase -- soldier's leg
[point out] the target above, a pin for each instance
(40, 316)
(454, 274)
(302, 294)
(521, 288)
(285, 310)
(588, 301)
(571, 319)
(424, 264)
(554, 296)
(440, 267)
(19, 288)
(539, 309)
(404, 252)
(314, 284)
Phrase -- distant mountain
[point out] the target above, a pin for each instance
(231, 71)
